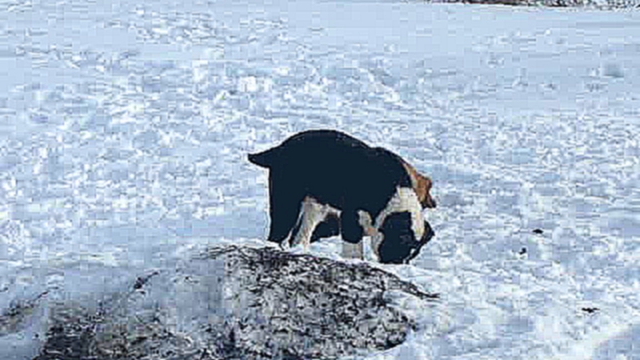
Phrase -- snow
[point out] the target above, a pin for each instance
(124, 129)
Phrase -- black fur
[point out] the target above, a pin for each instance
(403, 246)
(328, 228)
(397, 227)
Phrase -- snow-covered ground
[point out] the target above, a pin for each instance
(124, 129)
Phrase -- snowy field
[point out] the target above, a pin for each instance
(124, 129)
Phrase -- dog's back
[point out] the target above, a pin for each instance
(310, 146)
(336, 168)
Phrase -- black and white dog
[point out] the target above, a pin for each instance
(332, 183)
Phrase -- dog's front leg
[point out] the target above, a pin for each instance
(352, 233)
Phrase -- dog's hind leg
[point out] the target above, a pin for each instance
(312, 214)
(284, 206)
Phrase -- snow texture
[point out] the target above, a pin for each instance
(124, 129)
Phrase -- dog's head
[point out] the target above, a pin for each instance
(399, 243)
(421, 185)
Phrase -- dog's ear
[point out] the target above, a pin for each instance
(421, 185)
(423, 190)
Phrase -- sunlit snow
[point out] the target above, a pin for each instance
(124, 129)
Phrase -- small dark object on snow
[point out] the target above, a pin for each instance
(537, 231)
(141, 280)
(523, 251)
(590, 310)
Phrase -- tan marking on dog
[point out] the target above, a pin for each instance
(421, 185)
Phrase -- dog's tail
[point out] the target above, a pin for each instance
(264, 159)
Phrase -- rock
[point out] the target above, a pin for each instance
(240, 303)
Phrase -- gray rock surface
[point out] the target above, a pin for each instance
(240, 303)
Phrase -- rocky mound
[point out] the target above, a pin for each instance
(240, 303)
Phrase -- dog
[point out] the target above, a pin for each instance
(325, 182)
